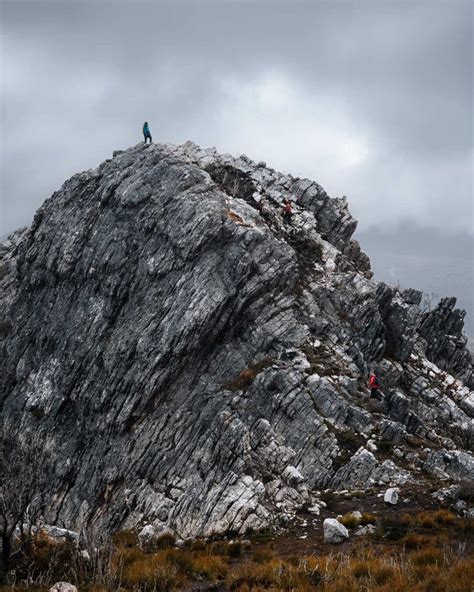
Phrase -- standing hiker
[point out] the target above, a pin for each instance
(258, 199)
(146, 132)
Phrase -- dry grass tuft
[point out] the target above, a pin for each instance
(445, 517)
(349, 520)
(427, 556)
(368, 519)
(125, 539)
(263, 555)
(416, 541)
(150, 573)
(248, 375)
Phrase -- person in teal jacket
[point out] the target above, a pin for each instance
(146, 132)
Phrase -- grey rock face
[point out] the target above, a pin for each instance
(197, 362)
(446, 344)
(453, 463)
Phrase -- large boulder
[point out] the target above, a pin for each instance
(334, 531)
(63, 587)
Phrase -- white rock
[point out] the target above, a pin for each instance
(60, 534)
(364, 530)
(151, 532)
(371, 445)
(314, 510)
(391, 496)
(63, 587)
(334, 531)
(460, 505)
(292, 476)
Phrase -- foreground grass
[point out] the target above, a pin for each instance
(420, 553)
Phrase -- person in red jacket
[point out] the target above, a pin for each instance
(287, 210)
(374, 385)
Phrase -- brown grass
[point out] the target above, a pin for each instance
(445, 517)
(349, 520)
(236, 218)
(368, 518)
(248, 375)
(416, 541)
(426, 559)
(125, 539)
(149, 573)
(427, 556)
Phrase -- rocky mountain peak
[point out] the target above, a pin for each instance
(198, 362)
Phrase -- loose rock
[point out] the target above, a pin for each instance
(334, 531)
(391, 496)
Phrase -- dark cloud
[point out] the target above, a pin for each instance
(373, 99)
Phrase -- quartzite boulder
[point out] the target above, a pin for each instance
(334, 531)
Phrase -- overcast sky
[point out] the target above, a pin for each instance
(372, 99)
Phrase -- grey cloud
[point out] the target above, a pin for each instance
(394, 77)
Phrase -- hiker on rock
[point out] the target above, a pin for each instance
(258, 199)
(287, 210)
(146, 132)
(374, 385)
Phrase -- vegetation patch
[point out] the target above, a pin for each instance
(466, 491)
(367, 518)
(349, 520)
(428, 561)
(232, 181)
(324, 361)
(245, 379)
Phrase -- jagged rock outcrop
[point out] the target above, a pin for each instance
(197, 364)
(446, 344)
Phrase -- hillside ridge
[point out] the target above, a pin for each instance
(195, 361)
